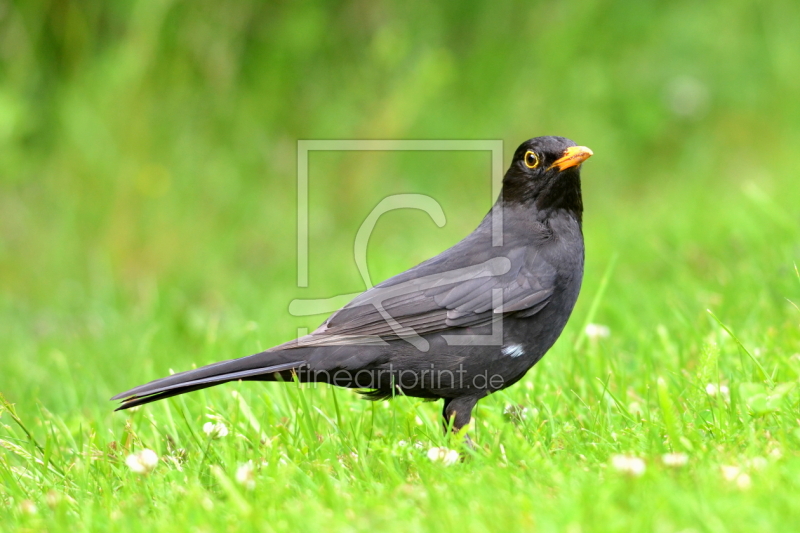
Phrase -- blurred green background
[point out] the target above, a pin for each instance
(148, 164)
(148, 222)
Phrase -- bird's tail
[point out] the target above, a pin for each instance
(261, 366)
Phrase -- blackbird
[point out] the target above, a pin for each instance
(457, 327)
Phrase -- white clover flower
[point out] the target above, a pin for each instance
(52, 499)
(597, 331)
(633, 466)
(712, 389)
(444, 455)
(246, 475)
(674, 459)
(730, 473)
(28, 507)
(517, 413)
(735, 475)
(757, 463)
(142, 462)
(743, 481)
(215, 430)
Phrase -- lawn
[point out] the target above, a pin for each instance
(148, 214)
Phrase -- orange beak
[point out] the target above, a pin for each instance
(573, 156)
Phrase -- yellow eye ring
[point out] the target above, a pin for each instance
(531, 159)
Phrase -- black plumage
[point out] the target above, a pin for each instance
(468, 322)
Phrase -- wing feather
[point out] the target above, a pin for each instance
(442, 294)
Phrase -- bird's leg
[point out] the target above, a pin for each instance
(457, 412)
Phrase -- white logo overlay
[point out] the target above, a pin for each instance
(493, 267)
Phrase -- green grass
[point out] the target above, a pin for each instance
(147, 223)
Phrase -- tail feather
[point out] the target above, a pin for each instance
(246, 368)
(141, 400)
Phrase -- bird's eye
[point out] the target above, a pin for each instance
(531, 159)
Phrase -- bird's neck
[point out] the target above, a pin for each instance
(561, 195)
(564, 196)
(525, 220)
(544, 207)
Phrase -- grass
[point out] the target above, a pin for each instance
(323, 458)
(147, 223)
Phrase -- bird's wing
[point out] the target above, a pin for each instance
(441, 295)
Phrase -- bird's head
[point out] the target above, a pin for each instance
(545, 174)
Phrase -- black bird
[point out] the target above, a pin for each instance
(459, 326)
